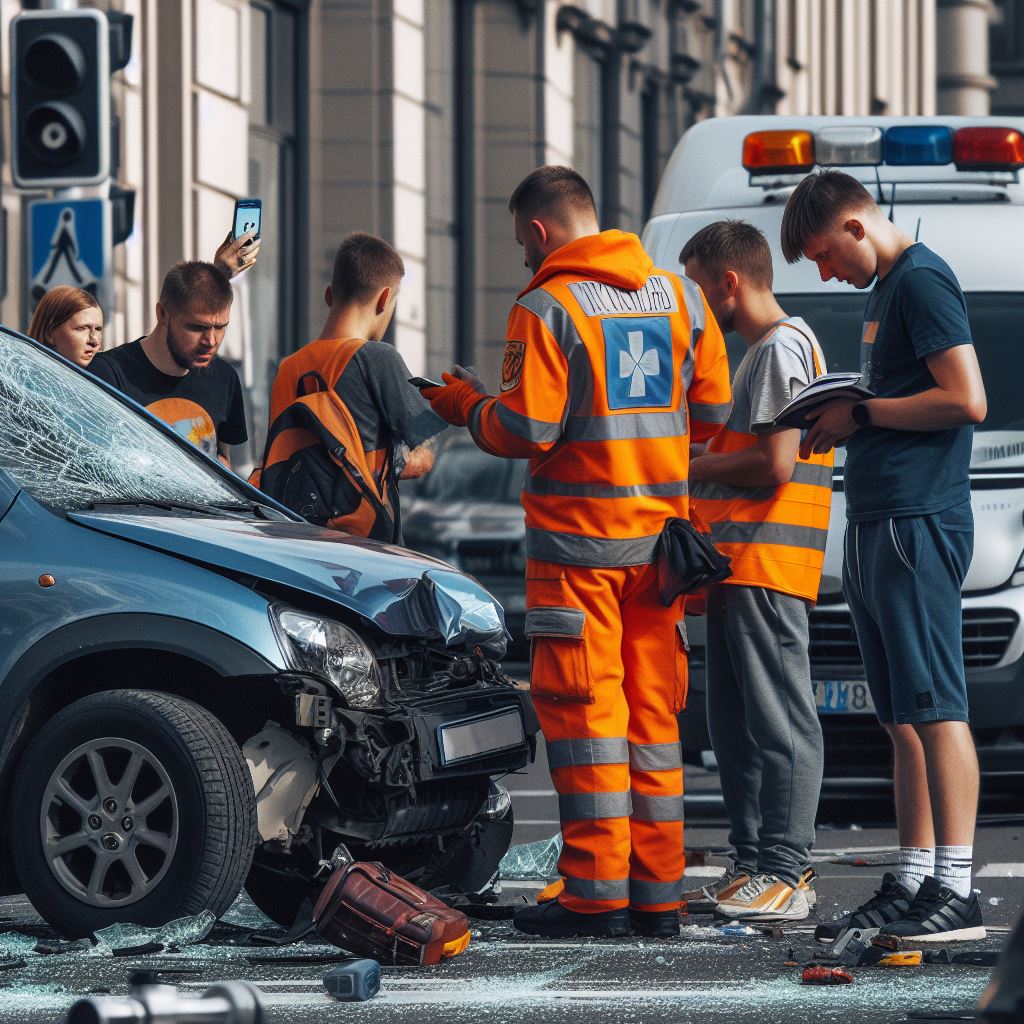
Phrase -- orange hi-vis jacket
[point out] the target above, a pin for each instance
(775, 536)
(611, 368)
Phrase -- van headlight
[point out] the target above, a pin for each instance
(329, 649)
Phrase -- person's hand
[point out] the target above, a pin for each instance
(236, 254)
(455, 401)
(831, 424)
(468, 374)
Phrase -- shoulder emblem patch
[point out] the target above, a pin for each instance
(512, 365)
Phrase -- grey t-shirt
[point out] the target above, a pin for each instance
(772, 373)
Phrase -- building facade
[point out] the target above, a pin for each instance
(414, 119)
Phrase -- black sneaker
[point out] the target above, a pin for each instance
(554, 921)
(655, 924)
(889, 904)
(939, 915)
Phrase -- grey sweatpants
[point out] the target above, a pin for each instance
(764, 726)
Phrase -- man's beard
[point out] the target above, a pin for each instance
(179, 356)
(727, 321)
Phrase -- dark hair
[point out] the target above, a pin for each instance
(57, 306)
(363, 265)
(552, 190)
(815, 205)
(194, 283)
(732, 245)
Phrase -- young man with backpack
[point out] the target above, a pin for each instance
(342, 407)
(768, 509)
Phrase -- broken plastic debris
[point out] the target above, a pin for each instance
(816, 974)
(532, 861)
(185, 931)
(994, 901)
(737, 929)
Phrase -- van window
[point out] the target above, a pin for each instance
(69, 443)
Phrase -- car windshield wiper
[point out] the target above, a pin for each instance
(224, 510)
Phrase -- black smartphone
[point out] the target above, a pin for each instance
(247, 217)
(425, 382)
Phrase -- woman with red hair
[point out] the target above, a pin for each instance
(70, 321)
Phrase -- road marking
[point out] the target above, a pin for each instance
(537, 821)
(1001, 871)
(538, 884)
(531, 792)
(704, 871)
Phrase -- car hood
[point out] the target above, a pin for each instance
(402, 593)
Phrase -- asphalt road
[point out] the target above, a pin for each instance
(701, 977)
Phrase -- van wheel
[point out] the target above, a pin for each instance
(138, 807)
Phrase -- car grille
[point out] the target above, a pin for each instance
(987, 635)
(491, 557)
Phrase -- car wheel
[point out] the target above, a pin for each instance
(138, 807)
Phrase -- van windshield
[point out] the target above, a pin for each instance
(70, 444)
(836, 320)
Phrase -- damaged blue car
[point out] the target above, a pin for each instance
(200, 691)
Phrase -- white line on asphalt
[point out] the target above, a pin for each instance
(1001, 871)
(531, 792)
(848, 850)
(538, 884)
(537, 821)
(704, 871)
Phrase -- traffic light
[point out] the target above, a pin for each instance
(60, 98)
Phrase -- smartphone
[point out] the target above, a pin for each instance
(425, 382)
(247, 217)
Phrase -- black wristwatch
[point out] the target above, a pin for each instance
(861, 415)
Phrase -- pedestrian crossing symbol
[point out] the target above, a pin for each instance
(638, 361)
(69, 243)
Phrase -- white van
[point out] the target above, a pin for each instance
(953, 183)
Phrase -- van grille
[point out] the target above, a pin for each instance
(987, 635)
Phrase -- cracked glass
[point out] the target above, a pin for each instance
(70, 444)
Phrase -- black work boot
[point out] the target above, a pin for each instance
(655, 924)
(554, 921)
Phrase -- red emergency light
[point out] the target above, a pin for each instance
(989, 149)
(789, 151)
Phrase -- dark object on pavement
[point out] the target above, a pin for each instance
(354, 980)
(687, 561)
(142, 950)
(940, 1017)
(819, 974)
(655, 924)
(233, 1002)
(299, 960)
(10, 963)
(770, 931)
(938, 914)
(368, 910)
(979, 958)
(889, 903)
(1006, 1003)
(553, 921)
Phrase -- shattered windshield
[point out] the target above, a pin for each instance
(69, 443)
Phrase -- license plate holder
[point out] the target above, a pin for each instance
(470, 738)
(843, 697)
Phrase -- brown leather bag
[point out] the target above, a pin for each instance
(370, 911)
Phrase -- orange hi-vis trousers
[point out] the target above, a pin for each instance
(608, 676)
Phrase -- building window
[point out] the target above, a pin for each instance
(1006, 33)
(588, 123)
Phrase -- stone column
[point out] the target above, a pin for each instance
(964, 82)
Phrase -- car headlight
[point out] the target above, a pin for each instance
(333, 651)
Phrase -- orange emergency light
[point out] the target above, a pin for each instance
(989, 149)
(789, 151)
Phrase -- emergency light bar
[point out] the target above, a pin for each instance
(795, 151)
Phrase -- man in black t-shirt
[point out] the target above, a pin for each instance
(174, 371)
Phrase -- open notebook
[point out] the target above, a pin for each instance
(825, 388)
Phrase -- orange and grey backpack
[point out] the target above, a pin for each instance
(314, 463)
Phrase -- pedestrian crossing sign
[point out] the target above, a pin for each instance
(69, 243)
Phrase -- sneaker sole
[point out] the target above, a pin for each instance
(960, 935)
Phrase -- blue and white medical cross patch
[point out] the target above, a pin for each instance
(638, 361)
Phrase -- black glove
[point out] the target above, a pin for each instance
(687, 561)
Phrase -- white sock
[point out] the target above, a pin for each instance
(916, 864)
(953, 868)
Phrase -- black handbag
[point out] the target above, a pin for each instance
(687, 561)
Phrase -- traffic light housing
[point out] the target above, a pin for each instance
(60, 98)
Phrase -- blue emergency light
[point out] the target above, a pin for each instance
(918, 145)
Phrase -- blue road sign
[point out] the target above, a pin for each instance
(69, 243)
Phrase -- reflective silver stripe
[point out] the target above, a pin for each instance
(598, 889)
(555, 622)
(596, 552)
(593, 806)
(545, 485)
(769, 533)
(655, 757)
(657, 808)
(708, 412)
(526, 428)
(590, 750)
(687, 370)
(803, 473)
(650, 894)
(626, 426)
(694, 306)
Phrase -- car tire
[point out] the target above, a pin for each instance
(140, 808)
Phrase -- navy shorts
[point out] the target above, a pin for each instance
(902, 580)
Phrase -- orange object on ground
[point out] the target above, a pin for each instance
(817, 974)
(612, 367)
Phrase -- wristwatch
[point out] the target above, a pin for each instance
(861, 415)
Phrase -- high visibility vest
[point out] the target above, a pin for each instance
(611, 368)
(775, 536)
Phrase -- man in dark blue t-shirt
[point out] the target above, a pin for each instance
(909, 539)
